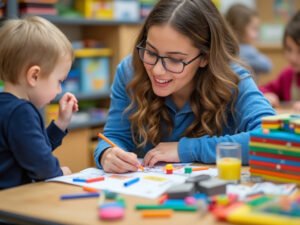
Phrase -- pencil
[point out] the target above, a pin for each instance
(106, 140)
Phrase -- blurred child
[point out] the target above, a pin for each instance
(244, 22)
(287, 86)
(35, 59)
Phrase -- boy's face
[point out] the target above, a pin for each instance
(292, 53)
(48, 87)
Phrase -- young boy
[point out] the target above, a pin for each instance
(35, 59)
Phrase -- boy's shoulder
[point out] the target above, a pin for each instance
(10, 104)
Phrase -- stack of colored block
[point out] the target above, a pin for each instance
(275, 149)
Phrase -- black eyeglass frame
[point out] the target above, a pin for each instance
(158, 57)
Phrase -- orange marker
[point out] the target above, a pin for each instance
(90, 189)
(95, 179)
(106, 140)
(200, 168)
(157, 213)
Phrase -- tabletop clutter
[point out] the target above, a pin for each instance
(274, 156)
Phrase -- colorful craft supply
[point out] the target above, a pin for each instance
(79, 195)
(162, 213)
(131, 182)
(95, 179)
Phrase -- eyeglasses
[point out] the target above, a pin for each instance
(170, 64)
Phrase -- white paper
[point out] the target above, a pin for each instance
(153, 181)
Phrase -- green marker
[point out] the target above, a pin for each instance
(174, 207)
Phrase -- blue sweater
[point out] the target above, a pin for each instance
(256, 60)
(251, 106)
(25, 146)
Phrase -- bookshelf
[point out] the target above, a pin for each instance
(117, 35)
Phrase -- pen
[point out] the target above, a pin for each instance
(130, 182)
(106, 140)
(80, 195)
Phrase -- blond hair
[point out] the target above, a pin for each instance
(216, 85)
(30, 41)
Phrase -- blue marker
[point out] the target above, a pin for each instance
(130, 182)
(78, 179)
(80, 195)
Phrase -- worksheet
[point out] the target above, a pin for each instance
(149, 183)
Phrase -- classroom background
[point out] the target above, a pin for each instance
(102, 33)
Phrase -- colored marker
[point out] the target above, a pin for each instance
(77, 179)
(95, 179)
(90, 189)
(80, 195)
(174, 207)
(106, 140)
(199, 168)
(130, 182)
(160, 213)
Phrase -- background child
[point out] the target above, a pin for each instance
(287, 85)
(181, 92)
(35, 59)
(244, 22)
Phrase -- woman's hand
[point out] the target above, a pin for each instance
(116, 160)
(163, 152)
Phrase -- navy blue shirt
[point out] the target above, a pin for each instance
(25, 145)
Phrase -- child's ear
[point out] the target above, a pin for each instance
(32, 75)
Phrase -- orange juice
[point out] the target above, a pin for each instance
(229, 168)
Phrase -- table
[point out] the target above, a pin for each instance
(39, 203)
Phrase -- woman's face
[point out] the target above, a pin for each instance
(292, 53)
(165, 41)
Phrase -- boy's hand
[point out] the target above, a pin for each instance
(116, 160)
(66, 170)
(67, 105)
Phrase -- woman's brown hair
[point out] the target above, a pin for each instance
(216, 85)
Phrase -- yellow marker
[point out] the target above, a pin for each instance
(229, 168)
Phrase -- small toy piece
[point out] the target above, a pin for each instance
(110, 194)
(188, 170)
(212, 186)
(181, 191)
(169, 169)
(190, 200)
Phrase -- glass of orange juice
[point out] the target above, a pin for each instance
(229, 161)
